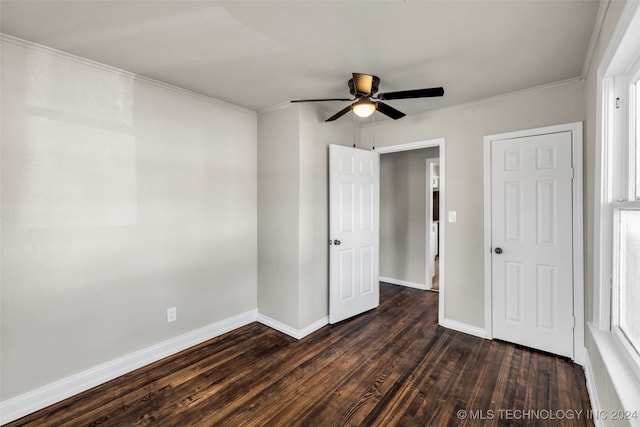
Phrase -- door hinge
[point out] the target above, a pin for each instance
(573, 322)
(573, 173)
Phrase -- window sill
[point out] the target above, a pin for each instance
(623, 378)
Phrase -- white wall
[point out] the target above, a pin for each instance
(293, 212)
(403, 218)
(463, 128)
(315, 137)
(120, 198)
(278, 214)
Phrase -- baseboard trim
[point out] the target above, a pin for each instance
(403, 283)
(27, 403)
(288, 330)
(581, 356)
(463, 327)
(592, 391)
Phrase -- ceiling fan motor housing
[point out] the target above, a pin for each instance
(374, 86)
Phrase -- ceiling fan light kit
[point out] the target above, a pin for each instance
(364, 87)
(363, 108)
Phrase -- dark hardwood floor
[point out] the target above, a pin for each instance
(393, 366)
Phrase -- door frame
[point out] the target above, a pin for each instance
(440, 143)
(579, 350)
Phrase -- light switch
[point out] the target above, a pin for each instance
(452, 216)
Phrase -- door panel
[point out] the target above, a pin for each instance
(513, 293)
(354, 192)
(532, 279)
(345, 212)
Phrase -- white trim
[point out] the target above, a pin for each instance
(399, 282)
(608, 60)
(276, 107)
(592, 390)
(579, 349)
(595, 36)
(482, 101)
(441, 235)
(288, 330)
(104, 67)
(486, 167)
(575, 128)
(410, 146)
(40, 398)
(602, 214)
(624, 381)
(463, 327)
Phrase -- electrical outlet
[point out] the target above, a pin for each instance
(172, 315)
(452, 216)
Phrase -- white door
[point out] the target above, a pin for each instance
(354, 193)
(531, 227)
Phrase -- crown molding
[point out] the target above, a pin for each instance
(127, 74)
(595, 36)
(481, 101)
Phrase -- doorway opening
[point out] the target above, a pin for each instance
(414, 256)
(432, 197)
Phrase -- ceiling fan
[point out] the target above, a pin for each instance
(364, 87)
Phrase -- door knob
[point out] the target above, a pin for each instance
(336, 242)
(498, 251)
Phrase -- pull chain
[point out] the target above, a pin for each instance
(354, 130)
(373, 132)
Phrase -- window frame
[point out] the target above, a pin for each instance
(616, 179)
(630, 352)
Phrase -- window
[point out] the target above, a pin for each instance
(618, 307)
(623, 219)
(626, 224)
(630, 275)
(626, 297)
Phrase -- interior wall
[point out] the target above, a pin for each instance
(120, 198)
(403, 216)
(279, 214)
(463, 128)
(315, 137)
(293, 216)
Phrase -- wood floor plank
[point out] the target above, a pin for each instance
(392, 366)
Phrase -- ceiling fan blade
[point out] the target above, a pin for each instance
(388, 110)
(415, 93)
(324, 99)
(339, 114)
(363, 83)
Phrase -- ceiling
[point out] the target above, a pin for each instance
(258, 54)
